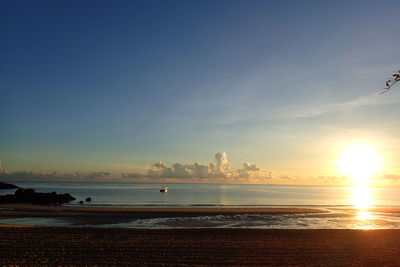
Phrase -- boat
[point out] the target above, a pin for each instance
(164, 189)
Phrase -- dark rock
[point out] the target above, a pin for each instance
(7, 199)
(7, 186)
(81, 202)
(88, 199)
(25, 195)
(33, 197)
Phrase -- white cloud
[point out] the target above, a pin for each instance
(220, 171)
(221, 159)
(250, 167)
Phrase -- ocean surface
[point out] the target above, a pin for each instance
(344, 207)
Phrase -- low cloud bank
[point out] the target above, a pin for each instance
(217, 171)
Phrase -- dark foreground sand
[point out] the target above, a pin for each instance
(52, 246)
(78, 246)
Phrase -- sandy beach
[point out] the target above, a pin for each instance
(77, 246)
(51, 246)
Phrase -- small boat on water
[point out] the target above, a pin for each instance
(164, 189)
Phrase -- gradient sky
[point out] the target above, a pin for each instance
(118, 85)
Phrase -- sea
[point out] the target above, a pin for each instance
(356, 207)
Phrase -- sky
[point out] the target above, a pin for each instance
(118, 86)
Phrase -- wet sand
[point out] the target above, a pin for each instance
(97, 215)
(52, 246)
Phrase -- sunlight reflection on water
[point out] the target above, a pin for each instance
(362, 199)
(363, 215)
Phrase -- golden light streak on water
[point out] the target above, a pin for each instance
(362, 200)
(363, 215)
(361, 197)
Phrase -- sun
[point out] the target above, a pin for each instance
(360, 163)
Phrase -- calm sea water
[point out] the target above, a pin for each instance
(341, 205)
(146, 194)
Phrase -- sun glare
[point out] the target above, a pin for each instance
(361, 197)
(360, 163)
(362, 201)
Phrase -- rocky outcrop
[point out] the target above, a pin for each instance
(7, 186)
(33, 197)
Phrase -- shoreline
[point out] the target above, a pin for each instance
(200, 217)
(52, 246)
(99, 216)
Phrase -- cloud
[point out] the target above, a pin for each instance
(218, 171)
(213, 172)
(333, 179)
(250, 167)
(97, 175)
(221, 159)
(134, 175)
(178, 170)
(157, 169)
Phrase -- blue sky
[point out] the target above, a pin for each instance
(118, 85)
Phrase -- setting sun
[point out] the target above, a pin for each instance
(360, 163)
